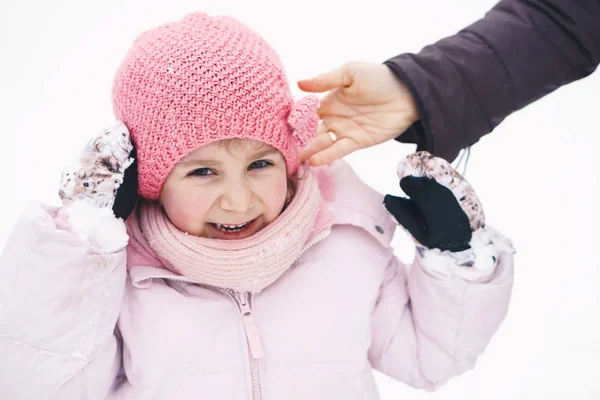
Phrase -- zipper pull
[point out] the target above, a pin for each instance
(252, 335)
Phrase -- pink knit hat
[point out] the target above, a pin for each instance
(202, 79)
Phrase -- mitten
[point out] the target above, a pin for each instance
(442, 210)
(99, 189)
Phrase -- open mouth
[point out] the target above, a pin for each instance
(231, 228)
(238, 231)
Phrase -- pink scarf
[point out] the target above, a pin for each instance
(244, 265)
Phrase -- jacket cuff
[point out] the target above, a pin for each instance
(421, 132)
(477, 264)
(418, 133)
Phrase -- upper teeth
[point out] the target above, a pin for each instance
(230, 227)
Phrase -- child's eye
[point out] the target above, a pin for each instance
(260, 164)
(201, 172)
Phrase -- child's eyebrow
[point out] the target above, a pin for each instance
(262, 153)
(211, 163)
(202, 162)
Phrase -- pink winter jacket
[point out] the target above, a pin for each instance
(75, 324)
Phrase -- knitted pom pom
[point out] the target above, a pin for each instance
(304, 120)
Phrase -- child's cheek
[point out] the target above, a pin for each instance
(186, 210)
(274, 194)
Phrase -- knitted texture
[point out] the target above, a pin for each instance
(244, 265)
(202, 79)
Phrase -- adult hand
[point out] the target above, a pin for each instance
(366, 105)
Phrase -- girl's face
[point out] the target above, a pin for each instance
(226, 190)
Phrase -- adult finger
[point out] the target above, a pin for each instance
(327, 133)
(341, 148)
(322, 141)
(328, 81)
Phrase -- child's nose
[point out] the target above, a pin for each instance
(238, 198)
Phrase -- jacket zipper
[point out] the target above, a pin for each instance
(316, 240)
(255, 349)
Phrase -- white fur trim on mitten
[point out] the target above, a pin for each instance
(97, 226)
(487, 245)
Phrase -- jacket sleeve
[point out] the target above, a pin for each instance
(428, 327)
(466, 84)
(59, 303)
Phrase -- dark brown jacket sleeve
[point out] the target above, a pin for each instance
(466, 84)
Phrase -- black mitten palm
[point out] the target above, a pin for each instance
(126, 196)
(442, 210)
(432, 214)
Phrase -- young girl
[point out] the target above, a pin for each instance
(242, 273)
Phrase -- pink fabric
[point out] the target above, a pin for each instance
(201, 79)
(346, 307)
(246, 265)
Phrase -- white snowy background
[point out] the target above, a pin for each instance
(537, 174)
